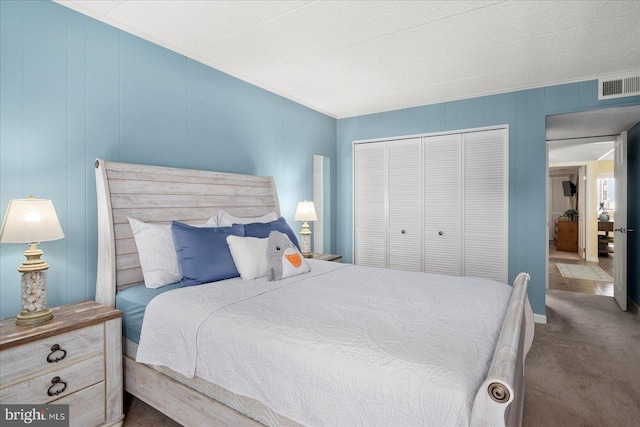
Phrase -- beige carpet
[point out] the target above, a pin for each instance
(584, 366)
(585, 272)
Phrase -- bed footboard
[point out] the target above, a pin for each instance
(499, 400)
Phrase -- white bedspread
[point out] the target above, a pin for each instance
(340, 346)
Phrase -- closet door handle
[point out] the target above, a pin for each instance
(403, 231)
(440, 233)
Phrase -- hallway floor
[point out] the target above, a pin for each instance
(556, 281)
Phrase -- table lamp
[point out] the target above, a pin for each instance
(32, 221)
(305, 212)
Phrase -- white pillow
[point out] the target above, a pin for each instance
(211, 222)
(156, 252)
(250, 256)
(225, 219)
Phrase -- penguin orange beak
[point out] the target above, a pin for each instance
(294, 259)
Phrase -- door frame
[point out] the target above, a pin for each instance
(591, 232)
(547, 181)
(582, 207)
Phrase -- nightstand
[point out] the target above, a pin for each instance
(74, 358)
(327, 257)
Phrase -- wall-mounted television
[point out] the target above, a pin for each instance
(569, 188)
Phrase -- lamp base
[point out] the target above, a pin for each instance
(33, 318)
(34, 298)
(305, 241)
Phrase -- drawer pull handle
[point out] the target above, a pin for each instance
(54, 382)
(54, 349)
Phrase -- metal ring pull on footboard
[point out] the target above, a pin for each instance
(498, 392)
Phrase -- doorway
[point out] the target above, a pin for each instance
(573, 267)
(580, 153)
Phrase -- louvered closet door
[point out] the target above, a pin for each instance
(485, 204)
(405, 204)
(370, 174)
(442, 204)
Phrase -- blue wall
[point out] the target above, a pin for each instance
(524, 112)
(74, 89)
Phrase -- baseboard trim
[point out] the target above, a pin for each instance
(539, 318)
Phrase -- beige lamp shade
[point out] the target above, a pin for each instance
(306, 211)
(30, 221)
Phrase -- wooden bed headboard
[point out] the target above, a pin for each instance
(161, 195)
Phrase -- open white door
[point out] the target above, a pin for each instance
(620, 231)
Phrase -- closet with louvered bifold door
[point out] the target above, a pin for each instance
(404, 200)
(442, 174)
(434, 203)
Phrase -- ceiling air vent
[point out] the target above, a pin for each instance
(619, 87)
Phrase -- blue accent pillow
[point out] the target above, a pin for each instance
(203, 253)
(262, 229)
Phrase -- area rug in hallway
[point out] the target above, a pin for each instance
(585, 272)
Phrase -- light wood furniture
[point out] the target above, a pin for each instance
(565, 236)
(327, 257)
(74, 359)
(159, 194)
(434, 203)
(605, 242)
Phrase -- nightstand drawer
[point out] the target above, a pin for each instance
(41, 388)
(28, 359)
(83, 411)
(85, 364)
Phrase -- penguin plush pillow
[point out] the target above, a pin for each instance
(284, 258)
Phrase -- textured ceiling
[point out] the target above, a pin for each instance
(587, 136)
(603, 123)
(348, 58)
(581, 153)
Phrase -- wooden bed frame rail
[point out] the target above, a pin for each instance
(162, 194)
(500, 398)
(181, 403)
